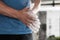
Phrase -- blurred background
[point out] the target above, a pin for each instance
(50, 2)
(49, 15)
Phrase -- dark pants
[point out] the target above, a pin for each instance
(16, 37)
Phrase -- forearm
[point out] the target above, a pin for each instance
(7, 11)
(1, 11)
(36, 3)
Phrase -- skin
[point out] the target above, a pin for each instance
(21, 14)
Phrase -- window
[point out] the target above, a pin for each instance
(50, 2)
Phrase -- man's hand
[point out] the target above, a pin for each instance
(25, 17)
(20, 15)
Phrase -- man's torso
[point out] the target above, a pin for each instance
(11, 25)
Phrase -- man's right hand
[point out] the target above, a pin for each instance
(20, 15)
(25, 17)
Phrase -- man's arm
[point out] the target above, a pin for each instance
(7, 11)
(21, 15)
(36, 3)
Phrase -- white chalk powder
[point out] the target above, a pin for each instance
(36, 24)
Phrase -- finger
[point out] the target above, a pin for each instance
(25, 22)
(28, 14)
(30, 17)
(29, 21)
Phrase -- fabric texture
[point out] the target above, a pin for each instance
(14, 26)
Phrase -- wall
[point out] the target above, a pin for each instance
(53, 22)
